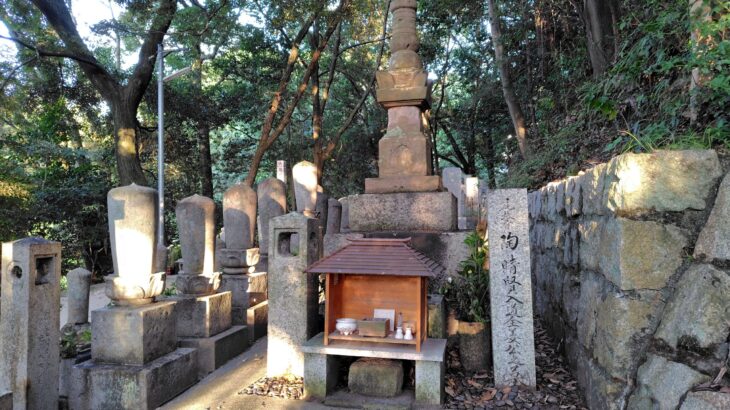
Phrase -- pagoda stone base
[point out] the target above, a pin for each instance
(215, 351)
(406, 183)
(112, 386)
(203, 316)
(133, 335)
(415, 211)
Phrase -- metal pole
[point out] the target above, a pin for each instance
(160, 149)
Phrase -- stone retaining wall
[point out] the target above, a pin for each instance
(631, 273)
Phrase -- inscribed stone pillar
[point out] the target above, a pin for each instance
(281, 171)
(345, 220)
(511, 288)
(471, 201)
(239, 218)
(271, 203)
(305, 187)
(334, 214)
(293, 294)
(29, 334)
(404, 152)
(79, 284)
(132, 222)
(321, 209)
(196, 226)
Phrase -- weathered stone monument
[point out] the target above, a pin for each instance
(29, 334)
(334, 216)
(240, 258)
(305, 187)
(513, 344)
(203, 316)
(471, 203)
(292, 293)
(281, 171)
(135, 361)
(79, 284)
(453, 181)
(271, 203)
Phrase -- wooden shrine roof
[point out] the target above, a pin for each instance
(378, 256)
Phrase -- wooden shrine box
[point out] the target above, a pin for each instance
(374, 273)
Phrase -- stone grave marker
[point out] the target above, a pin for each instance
(513, 344)
(305, 187)
(281, 170)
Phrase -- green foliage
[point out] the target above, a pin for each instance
(64, 283)
(468, 291)
(170, 291)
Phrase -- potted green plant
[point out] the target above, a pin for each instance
(467, 292)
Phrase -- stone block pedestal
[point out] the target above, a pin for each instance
(133, 335)
(246, 291)
(203, 316)
(320, 365)
(406, 183)
(257, 321)
(113, 386)
(414, 211)
(215, 351)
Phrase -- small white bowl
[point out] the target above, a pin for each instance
(346, 326)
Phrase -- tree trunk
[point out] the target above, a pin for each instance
(515, 111)
(125, 141)
(601, 21)
(205, 162)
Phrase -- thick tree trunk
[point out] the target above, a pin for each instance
(205, 161)
(129, 169)
(515, 111)
(601, 21)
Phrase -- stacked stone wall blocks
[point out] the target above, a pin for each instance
(640, 320)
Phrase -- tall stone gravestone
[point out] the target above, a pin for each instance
(513, 344)
(281, 171)
(293, 294)
(79, 285)
(29, 334)
(471, 202)
(271, 203)
(334, 216)
(203, 316)
(135, 360)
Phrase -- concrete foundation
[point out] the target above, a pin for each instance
(110, 386)
(215, 351)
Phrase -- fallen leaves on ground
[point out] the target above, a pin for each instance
(556, 387)
(286, 388)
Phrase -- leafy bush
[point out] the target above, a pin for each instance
(468, 291)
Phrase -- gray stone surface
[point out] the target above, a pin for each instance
(320, 375)
(475, 346)
(660, 181)
(334, 216)
(511, 288)
(79, 284)
(345, 399)
(133, 335)
(215, 351)
(661, 384)
(430, 382)
(246, 290)
(293, 306)
(305, 186)
(376, 377)
(196, 226)
(436, 317)
(706, 400)
(271, 203)
(108, 386)
(257, 320)
(132, 226)
(432, 350)
(321, 209)
(639, 254)
(471, 202)
(202, 316)
(238, 315)
(423, 211)
(239, 216)
(714, 239)
(696, 316)
(29, 334)
(345, 221)
(281, 170)
(453, 180)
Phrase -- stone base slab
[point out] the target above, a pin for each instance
(238, 316)
(133, 335)
(417, 183)
(203, 316)
(414, 211)
(376, 377)
(349, 400)
(108, 386)
(215, 351)
(257, 319)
